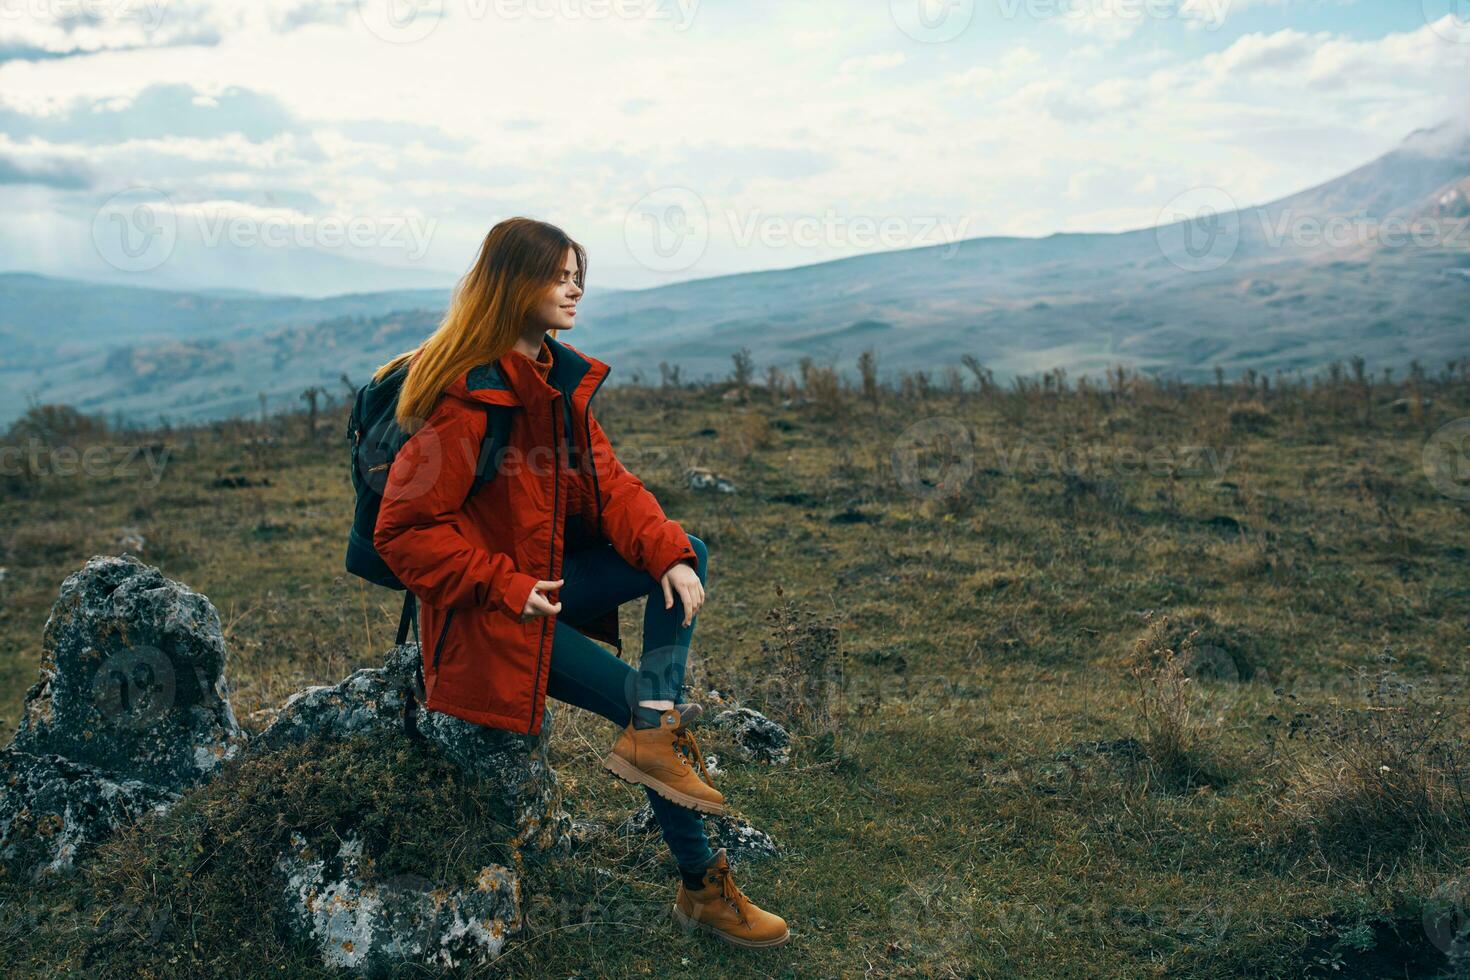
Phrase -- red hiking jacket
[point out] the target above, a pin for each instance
(472, 563)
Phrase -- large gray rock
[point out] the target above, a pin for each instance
(378, 926)
(131, 709)
(54, 811)
(132, 678)
(510, 767)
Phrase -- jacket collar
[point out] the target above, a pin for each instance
(511, 380)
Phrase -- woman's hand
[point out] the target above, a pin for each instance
(538, 605)
(686, 581)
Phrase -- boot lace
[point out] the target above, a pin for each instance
(731, 893)
(686, 740)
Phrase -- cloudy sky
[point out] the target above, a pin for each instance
(674, 138)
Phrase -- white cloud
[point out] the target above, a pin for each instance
(808, 109)
(870, 64)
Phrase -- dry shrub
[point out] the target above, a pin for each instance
(1173, 741)
(1381, 777)
(1251, 416)
(803, 662)
(1195, 637)
(748, 431)
(824, 388)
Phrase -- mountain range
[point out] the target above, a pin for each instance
(1375, 263)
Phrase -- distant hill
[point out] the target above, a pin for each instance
(1271, 293)
(59, 337)
(1085, 301)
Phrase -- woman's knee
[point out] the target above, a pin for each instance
(701, 551)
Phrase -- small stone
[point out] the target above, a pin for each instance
(736, 834)
(757, 738)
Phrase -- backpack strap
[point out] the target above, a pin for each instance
(410, 615)
(415, 695)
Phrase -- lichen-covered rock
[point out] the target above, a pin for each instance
(514, 768)
(737, 835)
(757, 738)
(132, 678)
(380, 926)
(368, 700)
(53, 811)
(517, 768)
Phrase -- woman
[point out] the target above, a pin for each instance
(516, 580)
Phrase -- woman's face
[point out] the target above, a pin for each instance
(557, 309)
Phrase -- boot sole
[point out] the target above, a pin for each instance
(689, 925)
(628, 772)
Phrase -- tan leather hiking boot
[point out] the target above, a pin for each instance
(651, 757)
(720, 908)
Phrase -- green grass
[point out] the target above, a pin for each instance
(933, 830)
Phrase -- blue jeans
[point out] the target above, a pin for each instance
(590, 676)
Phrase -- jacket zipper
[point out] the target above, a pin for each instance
(443, 632)
(596, 487)
(550, 559)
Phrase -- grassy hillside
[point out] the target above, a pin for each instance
(1016, 778)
